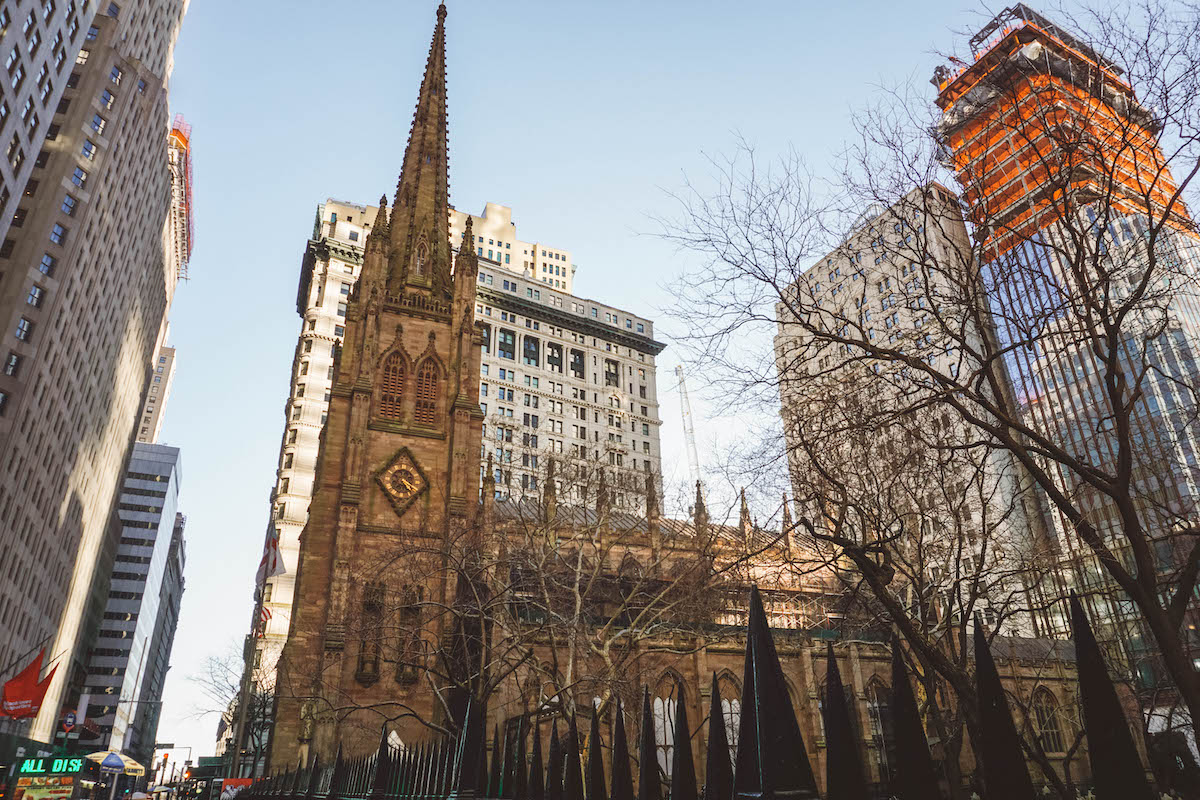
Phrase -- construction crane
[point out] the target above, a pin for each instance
(689, 433)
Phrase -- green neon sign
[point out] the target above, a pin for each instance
(50, 766)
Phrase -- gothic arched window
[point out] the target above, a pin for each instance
(392, 393)
(422, 257)
(879, 716)
(1045, 717)
(427, 393)
(731, 706)
(662, 707)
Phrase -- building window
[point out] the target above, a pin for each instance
(68, 205)
(98, 123)
(506, 344)
(58, 234)
(427, 391)
(24, 329)
(12, 364)
(1045, 717)
(663, 711)
(392, 392)
(79, 177)
(341, 309)
(35, 296)
(532, 355)
(107, 98)
(116, 75)
(88, 150)
(879, 715)
(554, 357)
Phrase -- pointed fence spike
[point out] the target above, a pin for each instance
(718, 771)
(337, 780)
(481, 771)
(423, 770)
(466, 758)
(914, 777)
(497, 761)
(509, 776)
(314, 777)
(554, 765)
(520, 785)
(382, 773)
(771, 757)
(622, 777)
(1004, 770)
(843, 768)
(1116, 767)
(683, 766)
(595, 762)
(536, 788)
(649, 785)
(573, 772)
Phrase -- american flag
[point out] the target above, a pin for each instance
(264, 616)
(271, 563)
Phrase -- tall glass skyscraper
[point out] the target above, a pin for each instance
(1089, 265)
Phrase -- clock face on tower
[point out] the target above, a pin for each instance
(402, 480)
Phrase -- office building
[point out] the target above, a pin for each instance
(39, 46)
(1066, 221)
(151, 419)
(496, 241)
(84, 294)
(128, 665)
(879, 286)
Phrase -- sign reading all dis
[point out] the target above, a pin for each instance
(50, 766)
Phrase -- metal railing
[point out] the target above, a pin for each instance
(770, 762)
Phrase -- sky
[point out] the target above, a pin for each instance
(580, 116)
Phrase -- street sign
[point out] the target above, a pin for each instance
(68, 721)
(164, 745)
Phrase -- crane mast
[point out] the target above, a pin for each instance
(689, 433)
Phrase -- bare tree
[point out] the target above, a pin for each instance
(220, 683)
(1052, 336)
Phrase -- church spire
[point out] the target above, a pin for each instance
(419, 229)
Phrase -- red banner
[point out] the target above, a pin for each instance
(23, 693)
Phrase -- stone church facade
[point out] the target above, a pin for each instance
(566, 607)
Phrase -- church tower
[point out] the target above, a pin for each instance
(397, 476)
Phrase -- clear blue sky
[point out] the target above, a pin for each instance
(578, 115)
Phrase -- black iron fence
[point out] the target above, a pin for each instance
(770, 762)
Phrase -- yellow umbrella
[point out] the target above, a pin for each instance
(113, 762)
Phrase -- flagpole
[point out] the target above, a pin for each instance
(25, 655)
(239, 723)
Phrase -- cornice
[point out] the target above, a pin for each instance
(510, 301)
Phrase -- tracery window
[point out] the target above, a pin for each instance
(422, 256)
(731, 707)
(879, 716)
(392, 394)
(1045, 717)
(427, 393)
(662, 707)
